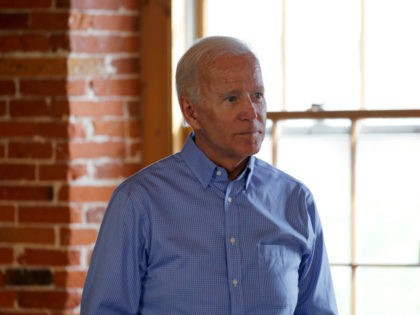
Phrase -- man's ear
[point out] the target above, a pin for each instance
(189, 111)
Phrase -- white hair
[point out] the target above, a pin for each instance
(198, 58)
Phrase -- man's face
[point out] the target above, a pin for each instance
(230, 118)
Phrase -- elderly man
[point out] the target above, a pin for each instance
(212, 230)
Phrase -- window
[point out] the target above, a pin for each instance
(344, 117)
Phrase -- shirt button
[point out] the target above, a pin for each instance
(232, 240)
(235, 282)
(229, 199)
(219, 172)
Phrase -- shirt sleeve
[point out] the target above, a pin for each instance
(316, 291)
(113, 283)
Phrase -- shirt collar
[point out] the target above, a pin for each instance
(203, 167)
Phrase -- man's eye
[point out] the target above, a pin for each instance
(259, 95)
(231, 99)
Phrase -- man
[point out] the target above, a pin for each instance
(212, 229)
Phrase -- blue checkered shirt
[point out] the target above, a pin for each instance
(179, 238)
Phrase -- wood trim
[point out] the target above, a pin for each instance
(353, 115)
(375, 265)
(156, 80)
(200, 18)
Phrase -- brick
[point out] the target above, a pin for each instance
(22, 277)
(62, 151)
(126, 65)
(104, 43)
(109, 128)
(25, 4)
(115, 22)
(48, 299)
(112, 149)
(3, 107)
(59, 42)
(96, 108)
(49, 20)
(29, 108)
(6, 255)
(95, 214)
(135, 149)
(11, 312)
(33, 67)
(49, 257)
(116, 170)
(17, 172)
(54, 130)
(45, 42)
(80, 21)
(7, 213)
(13, 21)
(24, 42)
(9, 42)
(28, 235)
(111, 22)
(7, 87)
(135, 5)
(91, 150)
(77, 236)
(83, 66)
(49, 214)
(2, 150)
(7, 298)
(26, 193)
(134, 129)
(62, 172)
(17, 129)
(116, 87)
(134, 109)
(76, 130)
(69, 279)
(30, 150)
(32, 42)
(86, 193)
(39, 108)
(53, 87)
(99, 5)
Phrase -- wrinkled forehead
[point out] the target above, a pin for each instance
(228, 65)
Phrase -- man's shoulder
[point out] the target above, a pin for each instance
(267, 174)
(159, 170)
(270, 172)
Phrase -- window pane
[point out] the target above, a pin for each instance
(387, 193)
(260, 24)
(318, 153)
(392, 54)
(342, 287)
(323, 54)
(388, 291)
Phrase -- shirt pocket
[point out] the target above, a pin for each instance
(278, 275)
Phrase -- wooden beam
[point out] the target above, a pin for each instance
(349, 114)
(156, 79)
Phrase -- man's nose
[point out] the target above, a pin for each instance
(249, 109)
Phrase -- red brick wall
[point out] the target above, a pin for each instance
(69, 132)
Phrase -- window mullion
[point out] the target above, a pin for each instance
(353, 214)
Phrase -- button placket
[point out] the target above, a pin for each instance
(232, 248)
